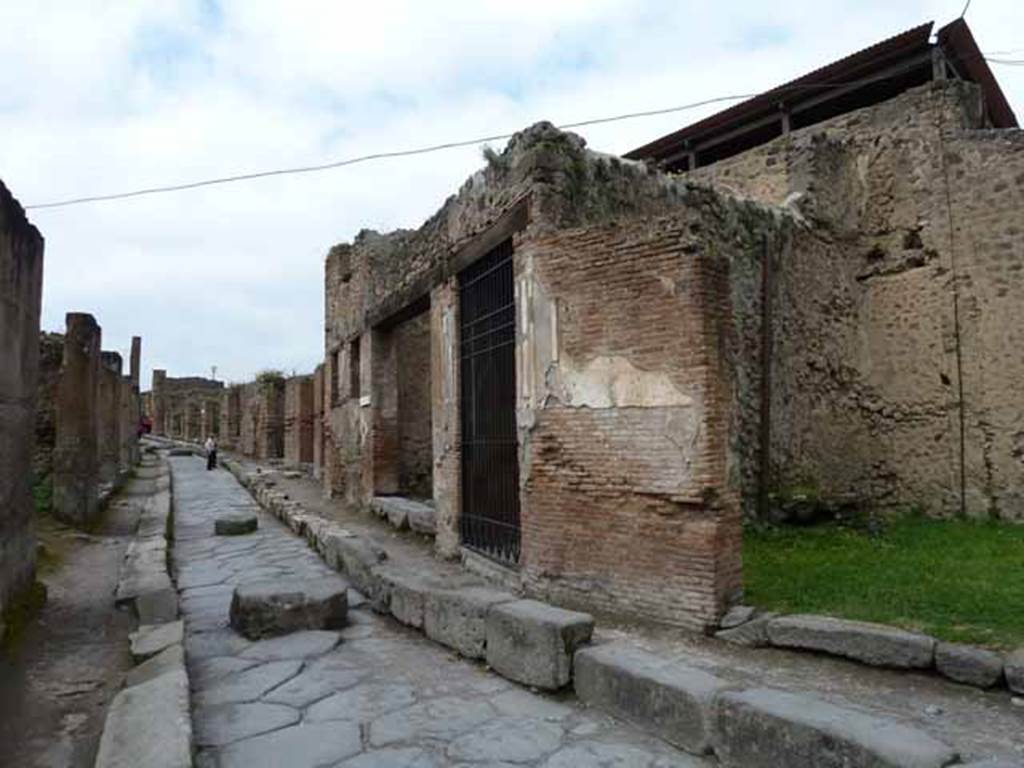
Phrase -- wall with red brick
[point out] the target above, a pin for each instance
(298, 420)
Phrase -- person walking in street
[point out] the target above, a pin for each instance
(211, 453)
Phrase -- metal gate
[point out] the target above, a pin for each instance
(490, 466)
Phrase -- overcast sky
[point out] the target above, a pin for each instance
(102, 96)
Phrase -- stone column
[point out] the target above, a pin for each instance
(108, 421)
(159, 398)
(135, 407)
(193, 419)
(76, 461)
(128, 422)
(21, 280)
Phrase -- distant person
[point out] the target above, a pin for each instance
(211, 453)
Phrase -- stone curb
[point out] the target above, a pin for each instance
(876, 645)
(685, 706)
(454, 612)
(149, 722)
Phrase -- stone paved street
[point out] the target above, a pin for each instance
(373, 694)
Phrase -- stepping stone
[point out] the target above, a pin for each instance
(149, 639)
(235, 524)
(277, 607)
(1014, 669)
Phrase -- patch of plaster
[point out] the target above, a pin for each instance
(614, 382)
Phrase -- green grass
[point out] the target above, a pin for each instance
(957, 580)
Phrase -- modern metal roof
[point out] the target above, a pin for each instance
(871, 75)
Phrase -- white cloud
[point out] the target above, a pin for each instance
(106, 96)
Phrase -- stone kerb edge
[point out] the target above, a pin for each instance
(364, 564)
(965, 664)
(149, 722)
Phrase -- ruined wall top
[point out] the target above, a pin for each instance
(544, 180)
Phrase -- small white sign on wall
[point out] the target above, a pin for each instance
(364, 401)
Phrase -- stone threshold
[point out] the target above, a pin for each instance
(149, 721)
(877, 645)
(546, 647)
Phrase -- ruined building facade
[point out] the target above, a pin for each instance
(21, 282)
(613, 364)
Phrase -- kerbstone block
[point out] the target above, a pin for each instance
(875, 644)
(673, 701)
(765, 728)
(968, 664)
(533, 643)
(149, 639)
(170, 658)
(1013, 667)
(149, 725)
(457, 617)
(277, 607)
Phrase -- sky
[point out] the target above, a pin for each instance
(100, 96)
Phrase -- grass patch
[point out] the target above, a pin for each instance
(961, 581)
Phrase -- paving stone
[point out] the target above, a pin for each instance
(270, 608)
(235, 524)
(148, 725)
(298, 746)
(248, 685)
(225, 723)
(457, 617)
(533, 643)
(969, 664)
(221, 642)
(995, 762)
(511, 740)
(168, 659)
(149, 639)
(875, 644)
(203, 672)
(668, 699)
(1013, 668)
(298, 645)
(598, 755)
(765, 728)
(520, 703)
(361, 703)
(318, 680)
(438, 719)
(393, 758)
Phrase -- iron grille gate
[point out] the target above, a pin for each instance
(490, 466)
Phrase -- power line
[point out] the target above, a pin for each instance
(780, 91)
(373, 156)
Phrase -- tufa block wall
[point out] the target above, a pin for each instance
(894, 375)
(21, 280)
(298, 420)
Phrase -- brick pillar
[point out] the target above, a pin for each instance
(108, 417)
(444, 397)
(21, 280)
(318, 421)
(159, 398)
(76, 460)
(193, 419)
(384, 394)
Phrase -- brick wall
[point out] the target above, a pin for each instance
(298, 420)
(415, 442)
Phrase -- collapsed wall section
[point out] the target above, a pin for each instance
(21, 280)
